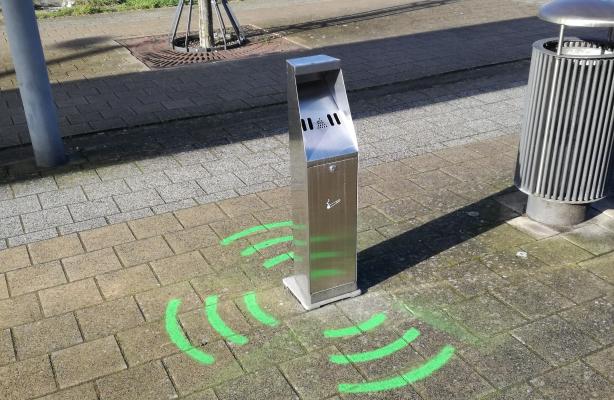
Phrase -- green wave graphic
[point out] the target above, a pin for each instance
(175, 333)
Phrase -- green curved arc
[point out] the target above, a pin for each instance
(384, 351)
(178, 338)
(422, 372)
(271, 262)
(239, 235)
(325, 273)
(248, 251)
(219, 325)
(372, 323)
(258, 313)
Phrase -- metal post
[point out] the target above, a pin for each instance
(559, 50)
(34, 87)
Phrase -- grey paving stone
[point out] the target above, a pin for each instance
(532, 299)
(46, 336)
(156, 164)
(556, 340)
(45, 219)
(212, 198)
(117, 171)
(224, 166)
(187, 173)
(7, 352)
(504, 361)
(93, 209)
(62, 197)
(595, 318)
(259, 187)
(269, 384)
(81, 392)
(82, 226)
(484, 315)
(109, 318)
(32, 279)
(10, 227)
(147, 181)
(572, 382)
(313, 376)
(102, 190)
(22, 205)
(26, 379)
(575, 284)
(148, 381)
(174, 206)
(190, 377)
(34, 186)
(138, 200)
(592, 238)
(220, 183)
(87, 361)
(6, 193)
(129, 216)
(32, 237)
(77, 178)
(192, 157)
(180, 191)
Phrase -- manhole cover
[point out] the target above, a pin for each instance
(154, 51)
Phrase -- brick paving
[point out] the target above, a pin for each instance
(142, 172)
(98, 85)
(442, 248)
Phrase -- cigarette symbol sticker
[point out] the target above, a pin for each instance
(330, 205)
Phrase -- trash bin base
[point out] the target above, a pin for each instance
(292, 285)
(553, 213)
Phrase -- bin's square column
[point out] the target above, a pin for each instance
(324, 164)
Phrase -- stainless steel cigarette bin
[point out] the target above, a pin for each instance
(324, 164)
(566, 143)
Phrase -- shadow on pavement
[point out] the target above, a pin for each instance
(393, 256)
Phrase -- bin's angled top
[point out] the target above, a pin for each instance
(585, 13)
(314, 64)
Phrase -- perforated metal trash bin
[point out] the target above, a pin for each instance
(567, 133)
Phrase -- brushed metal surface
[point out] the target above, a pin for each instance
(324, 167)
(586, 13)
(332, 224)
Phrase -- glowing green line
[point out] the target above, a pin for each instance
(248, 251)
(432, 365)
(319, 255)
(372, 323)
(258, 313)
(376, 354)
(271, 262)
(219, 325)
(254, 229)
(422, 372)
(178, 338)
(325, 273)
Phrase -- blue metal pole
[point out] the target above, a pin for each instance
(31, 70)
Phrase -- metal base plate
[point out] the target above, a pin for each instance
(292, 285)
(547, 212)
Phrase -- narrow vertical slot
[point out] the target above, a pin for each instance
(310, 123)
(330, 119)
(337, 119)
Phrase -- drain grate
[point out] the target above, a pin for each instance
(154, 51)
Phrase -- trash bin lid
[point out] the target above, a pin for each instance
(586, 13)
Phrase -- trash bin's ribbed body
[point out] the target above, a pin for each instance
(566, 140)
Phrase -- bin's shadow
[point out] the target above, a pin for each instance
(382, 261)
